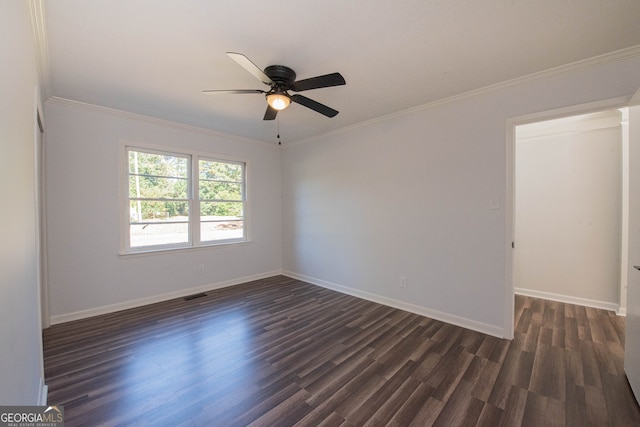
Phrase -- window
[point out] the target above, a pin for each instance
(221, 192)
(163, 211)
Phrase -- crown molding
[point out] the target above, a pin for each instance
(39, 28)
(607, 58)
(153, 120)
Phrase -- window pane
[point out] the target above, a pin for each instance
(221, 171)
(158, 234)
(229, 229)
(146, 211)
(158, 164)
(153, 187)
(213, 211)
(220, 190)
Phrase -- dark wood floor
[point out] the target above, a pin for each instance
(283, 352)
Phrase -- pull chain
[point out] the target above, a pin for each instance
(278, 120)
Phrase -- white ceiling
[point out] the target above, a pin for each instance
(154, 57)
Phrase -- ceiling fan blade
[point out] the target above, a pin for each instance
(328, 80)
(214, 92)
(246, 63)
(270, 114)
(314, 105)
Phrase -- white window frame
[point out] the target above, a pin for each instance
(193, 201)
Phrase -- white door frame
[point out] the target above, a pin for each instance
(41, 220)
(632, 324)
(510, 127)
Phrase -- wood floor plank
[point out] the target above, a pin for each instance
(485, 381)
(336, 378)
(387, 408)
(412, 405)
(575, 409)
(617, 402)
(511, 374)
(490, 416)
(596, 408)
(461, 409)
(281, 352)
(428, 413)
(537, 404)
(371, 411)
(514, 408)
(548, 373)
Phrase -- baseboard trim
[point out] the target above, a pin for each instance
(83, 314)
(401, 305)
(567, 299)
(43, 392)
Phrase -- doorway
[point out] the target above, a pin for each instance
(510, 140)
(568, 209)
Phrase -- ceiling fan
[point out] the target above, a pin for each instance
(282, 79)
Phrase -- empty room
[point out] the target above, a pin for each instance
(320, 213)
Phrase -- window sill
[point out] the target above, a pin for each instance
(150, 252)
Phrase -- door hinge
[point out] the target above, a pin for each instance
(513, 245)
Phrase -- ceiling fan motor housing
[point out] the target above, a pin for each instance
(282, 76)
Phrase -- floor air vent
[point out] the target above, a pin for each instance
(194, 296)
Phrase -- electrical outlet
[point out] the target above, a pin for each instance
(403, 282)
(200, 268)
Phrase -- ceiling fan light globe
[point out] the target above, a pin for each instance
(278, 101)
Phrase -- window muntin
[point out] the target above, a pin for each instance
(162, 211)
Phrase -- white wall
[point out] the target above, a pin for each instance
(86, 274)
(414, 195)
(568, 209)
(20, 335)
